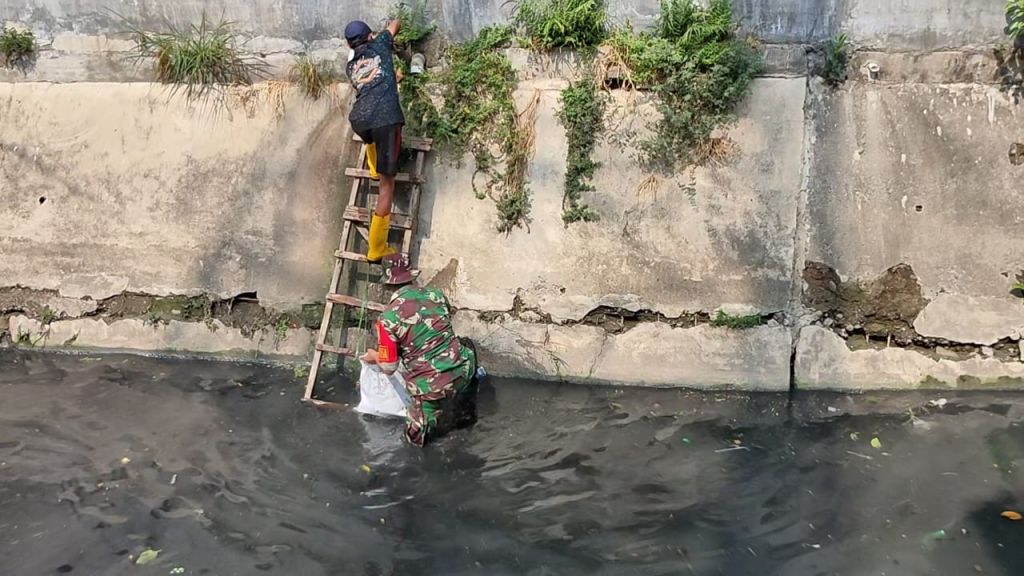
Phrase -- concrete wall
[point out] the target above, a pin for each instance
(106, 188)
(919, 175)
(875, 228)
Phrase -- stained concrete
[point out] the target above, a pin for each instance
(969, 319)
(136, 334)
(109, 188)
(825, 362)
(651, 354)
(718, 235)
(917, 174)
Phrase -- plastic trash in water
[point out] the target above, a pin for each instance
(929, 539)
(480, 373)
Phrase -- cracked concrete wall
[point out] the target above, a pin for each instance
(714, 237)
(113, 187)
(106, 188)
(84, 40)
(919, 175)
(718, 235)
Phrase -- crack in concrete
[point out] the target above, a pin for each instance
(242, 311)
(611, 319)
(880, 314)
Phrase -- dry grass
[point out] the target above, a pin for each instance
(610, 65)
(315, 78)
(514, 201)
(251, 98)
(714, 150)
(199, 60)
(648, 188)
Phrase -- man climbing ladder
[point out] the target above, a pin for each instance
(377, 118)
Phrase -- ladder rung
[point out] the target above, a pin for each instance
(400, 177)
(334, 349)
(362, 215)
(422, 144)
(322, 404)
(353, 256)
(355, 302)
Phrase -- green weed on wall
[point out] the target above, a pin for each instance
(477, 115)
(698, 69)
(582, 115)
(562, 23)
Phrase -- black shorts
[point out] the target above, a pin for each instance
(389, 147)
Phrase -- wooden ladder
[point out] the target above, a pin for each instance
(357, 222)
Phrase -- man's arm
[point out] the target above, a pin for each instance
(394, 26)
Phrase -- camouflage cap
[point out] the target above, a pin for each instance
(397, 270)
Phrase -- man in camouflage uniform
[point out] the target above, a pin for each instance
(439, 368)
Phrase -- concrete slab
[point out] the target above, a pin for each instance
(971, 320)
(135, 334)
(113, 187)
(721, 234)
(652, 354)
(824, 362)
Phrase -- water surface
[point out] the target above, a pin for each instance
(223, 470)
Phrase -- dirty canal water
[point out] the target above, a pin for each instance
(222, 470)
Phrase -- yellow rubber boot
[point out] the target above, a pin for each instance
(379, 227)
(371, 161)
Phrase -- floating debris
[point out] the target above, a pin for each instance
(147, 556)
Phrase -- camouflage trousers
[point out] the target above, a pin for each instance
(430, 417)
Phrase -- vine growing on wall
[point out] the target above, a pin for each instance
(582, 115)
(1015, 19)
(1011, 59)
(476, 114)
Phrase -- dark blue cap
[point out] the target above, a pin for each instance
(357, 32)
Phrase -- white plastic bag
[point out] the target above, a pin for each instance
(380, 394)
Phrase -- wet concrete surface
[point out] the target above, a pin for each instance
(223, 470)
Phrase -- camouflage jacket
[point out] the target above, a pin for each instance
(419, 320)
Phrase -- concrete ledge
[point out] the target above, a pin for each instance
(973, 320)
(653, 354)
(824, 362)
(135, 334)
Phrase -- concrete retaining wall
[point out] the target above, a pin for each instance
(875, 229)
(107, 188)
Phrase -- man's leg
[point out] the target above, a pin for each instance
(371, 160)
(371, 152)
(467, 387)
(421, 423)
(389, 148)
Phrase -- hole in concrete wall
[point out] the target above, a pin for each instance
(42, 199)
(919, 208)
(1017, 153)
(247, 297)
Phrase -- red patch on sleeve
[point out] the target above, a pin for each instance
(387, 348)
